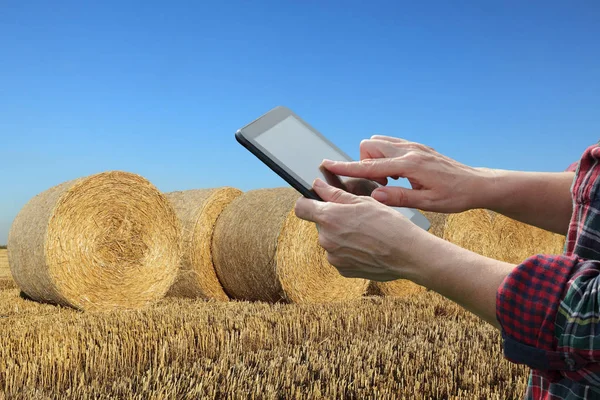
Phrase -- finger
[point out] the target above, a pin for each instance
(371, 169)
(331, 178)
(363, 187)
(389, 139)
(332, 194)
(373, 149)
(352, 273)
(402, 143)
(379, 149)
(402, 197)
(308, 209)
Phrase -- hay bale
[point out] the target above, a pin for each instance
(516, 241)
(472, 230)
(404, 287)
(396, 288)
(438, 222)
(198, 211)
(263, 252)
(500, 237)
(106, 241)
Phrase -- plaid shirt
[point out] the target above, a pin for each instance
(549, 305)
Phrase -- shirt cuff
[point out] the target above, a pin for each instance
(526, 305)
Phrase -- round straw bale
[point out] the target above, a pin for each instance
(198, 211)
(102, 242)
(404, 287)
(263, 252)
(472, 230)
(396, 288)
(438, 222)
(516, 241)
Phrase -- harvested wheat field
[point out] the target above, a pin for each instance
(6, 281)
(4, 269)
(411, 348)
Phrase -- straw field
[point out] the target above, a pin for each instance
(6, 281)
(126, 292)
(387, 348)
(4, 269)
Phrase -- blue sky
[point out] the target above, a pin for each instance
(159, 88)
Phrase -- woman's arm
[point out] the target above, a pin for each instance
(467, 278)
(441, 184)
(541, 199)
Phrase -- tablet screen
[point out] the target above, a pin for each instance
(300, 150)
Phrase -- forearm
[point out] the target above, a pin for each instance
(462, 276)
(541, 199)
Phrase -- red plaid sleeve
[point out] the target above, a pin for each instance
(526, 305)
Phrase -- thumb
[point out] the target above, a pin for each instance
(332, 194)
(400, 197)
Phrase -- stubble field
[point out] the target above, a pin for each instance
(4, 269)
(6, 281)
(418, 347)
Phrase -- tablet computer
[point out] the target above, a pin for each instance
(294, 150)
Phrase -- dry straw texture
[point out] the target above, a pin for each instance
(263, 252)
(105, 241)
(4, 268)
(472, 230)
(438, 222)
(404, 287)
(6, 281)
(497, 236)
(198, 211)
(419, 347)
(397, 288)
(518, 241)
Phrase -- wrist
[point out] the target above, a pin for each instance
(486, 188)
(467, 278)
(430, 255)
(422, 257)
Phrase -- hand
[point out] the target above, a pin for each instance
(438, 183)
(363, 238)
(360, 186)
(357, 186)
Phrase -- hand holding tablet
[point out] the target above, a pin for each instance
(295, 150)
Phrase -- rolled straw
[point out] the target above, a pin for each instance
(263, 252)
(198, 211)
(102, 242)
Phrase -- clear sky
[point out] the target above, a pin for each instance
(159, 88)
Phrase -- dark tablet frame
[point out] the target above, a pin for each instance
(246, 137)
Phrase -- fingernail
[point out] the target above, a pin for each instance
(380, 195)
(326, 161)
(318, 183)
